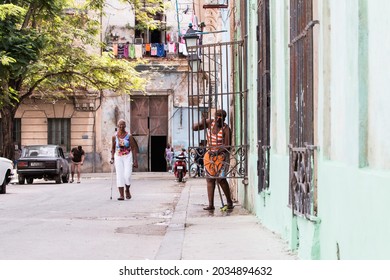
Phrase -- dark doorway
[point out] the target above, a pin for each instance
(149, 123)
(155, 36)
(157, 149)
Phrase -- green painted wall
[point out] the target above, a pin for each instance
(351, 128)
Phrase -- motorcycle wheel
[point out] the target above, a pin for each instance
(180, 176)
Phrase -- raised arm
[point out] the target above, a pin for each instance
(203, 124)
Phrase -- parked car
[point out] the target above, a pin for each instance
(43, 161)
(6, 168)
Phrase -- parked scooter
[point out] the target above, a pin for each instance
(180, 166)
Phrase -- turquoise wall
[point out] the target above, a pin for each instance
(352, 131)
(353, 209)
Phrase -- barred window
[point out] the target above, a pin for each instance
(17, 134)
(59, 132)
(302, 195)
(263, 95)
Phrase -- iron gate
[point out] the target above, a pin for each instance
(302, 192)
(217, 83)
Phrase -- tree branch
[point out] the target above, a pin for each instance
(36, 84)
(29, 13)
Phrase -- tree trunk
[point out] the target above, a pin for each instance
(7, 118)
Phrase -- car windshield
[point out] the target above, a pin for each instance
(37, 151)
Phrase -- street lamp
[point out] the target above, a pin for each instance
(191, 40)
(194, 61)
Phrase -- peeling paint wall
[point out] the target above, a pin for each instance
(165, 78)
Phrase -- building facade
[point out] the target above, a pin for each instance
(318, 173)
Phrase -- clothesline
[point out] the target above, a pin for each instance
(128, 50)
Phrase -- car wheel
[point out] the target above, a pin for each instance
(3, 186)
(58, 179)
(30, 180)
(3, 189)
(21, 180)
(65, 178)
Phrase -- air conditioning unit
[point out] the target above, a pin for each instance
(138, 41)
(216, 4)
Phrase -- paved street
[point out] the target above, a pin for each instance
(163, 220)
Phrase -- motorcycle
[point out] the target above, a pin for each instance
(180, 167)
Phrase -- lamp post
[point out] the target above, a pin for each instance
(194, 60)
(191, 39)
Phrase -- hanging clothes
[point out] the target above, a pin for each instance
(115, 49)
(121, 50)
(160, 50)
(126, 50)
(183, 32)
(172, 47)
(138, 51)
(183, 49)
(153, 51)
(132, 51)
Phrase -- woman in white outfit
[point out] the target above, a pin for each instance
(124, 154)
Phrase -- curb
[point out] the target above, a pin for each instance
(172, 244)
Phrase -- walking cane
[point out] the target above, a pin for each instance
(224, 207)
(112, 178)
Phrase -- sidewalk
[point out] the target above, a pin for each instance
(196, 234)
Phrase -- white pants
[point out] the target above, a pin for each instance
(124, 169)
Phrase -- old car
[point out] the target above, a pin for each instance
(43, 161)
(6, 168)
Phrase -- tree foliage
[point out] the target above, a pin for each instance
(51, 48)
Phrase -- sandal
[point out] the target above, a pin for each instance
(230, 207)
(71, 181)
(209, 208)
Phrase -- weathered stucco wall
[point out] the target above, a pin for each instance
(378, 83)
(34, 115)
(167, 79)
(353, 184)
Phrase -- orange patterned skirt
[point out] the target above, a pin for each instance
(213, 164)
